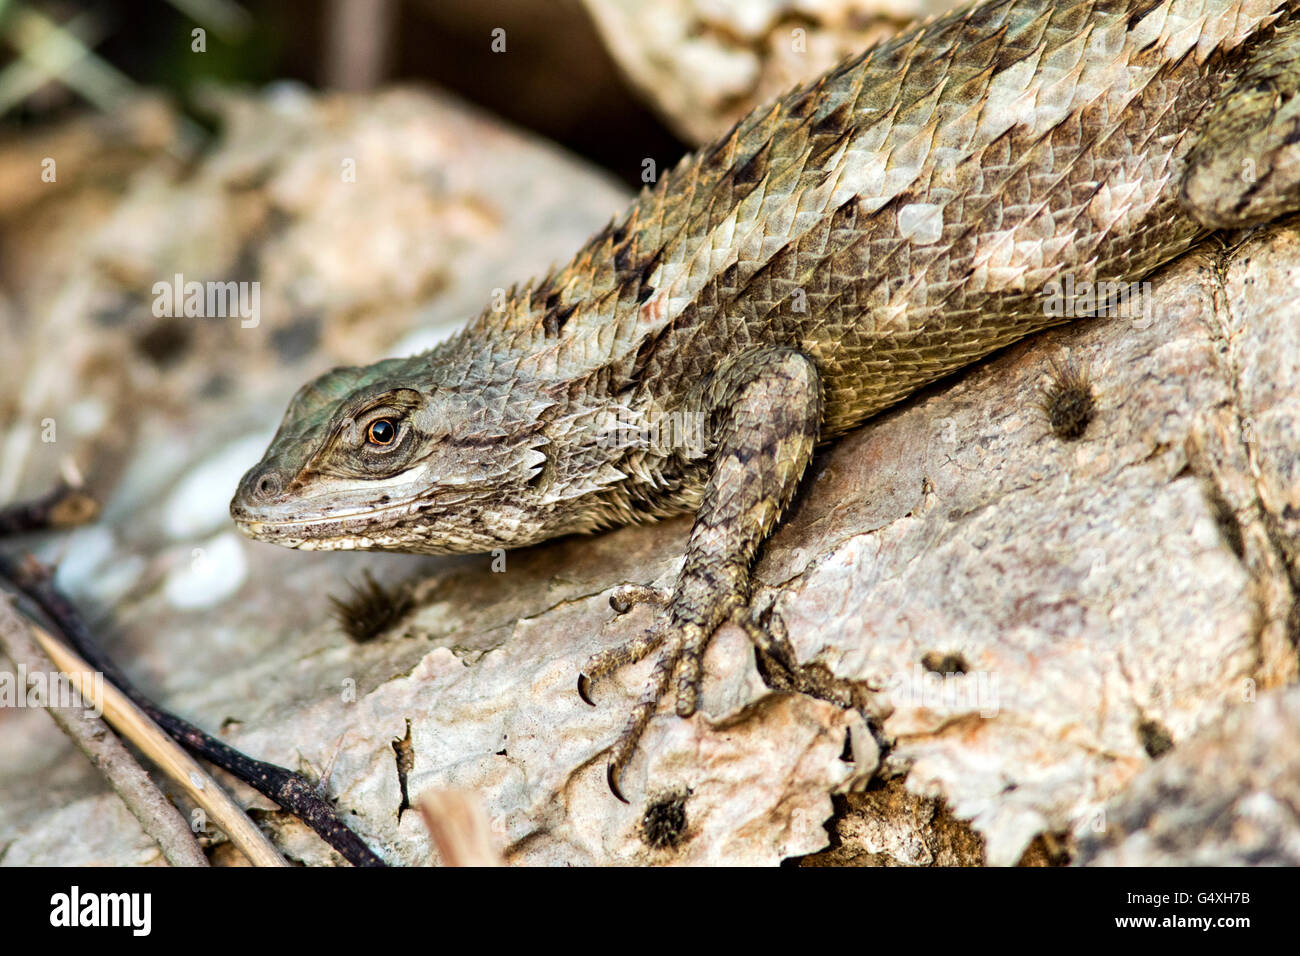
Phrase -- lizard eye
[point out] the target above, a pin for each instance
(382, 431)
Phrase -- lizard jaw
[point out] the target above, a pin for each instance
(333, 534)
(257, 530)
(322, 534)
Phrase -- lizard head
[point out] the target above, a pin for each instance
(383, 458)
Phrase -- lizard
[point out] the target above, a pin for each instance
(869, 232)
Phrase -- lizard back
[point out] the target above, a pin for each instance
(898, 217)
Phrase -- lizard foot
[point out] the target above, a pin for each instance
(683, 644)
(624, 598)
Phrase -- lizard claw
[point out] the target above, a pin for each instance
(584, 689)
(612, 777)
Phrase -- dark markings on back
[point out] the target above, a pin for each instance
(556, 316)
(755, 168)
(833, 123)
(1138, 15)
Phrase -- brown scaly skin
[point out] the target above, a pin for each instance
(883, 225)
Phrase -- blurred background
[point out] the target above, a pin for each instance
(612, 80)
(557, 79)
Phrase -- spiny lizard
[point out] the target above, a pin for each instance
(867, 233)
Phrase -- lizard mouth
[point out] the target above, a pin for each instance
(380, 528)
(341, 533)
(285, 537)
(319, 532)
(312, 536)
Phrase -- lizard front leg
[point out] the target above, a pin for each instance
(765, 408)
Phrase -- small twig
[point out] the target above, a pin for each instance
(157, 816)
(133, 724)
(459, 828)
(64, 507)
(287, 789)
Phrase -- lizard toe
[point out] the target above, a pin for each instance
(612, 658)
(627, 596)
(639, 716)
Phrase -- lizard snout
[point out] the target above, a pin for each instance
(261, 487)
(262, 484)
